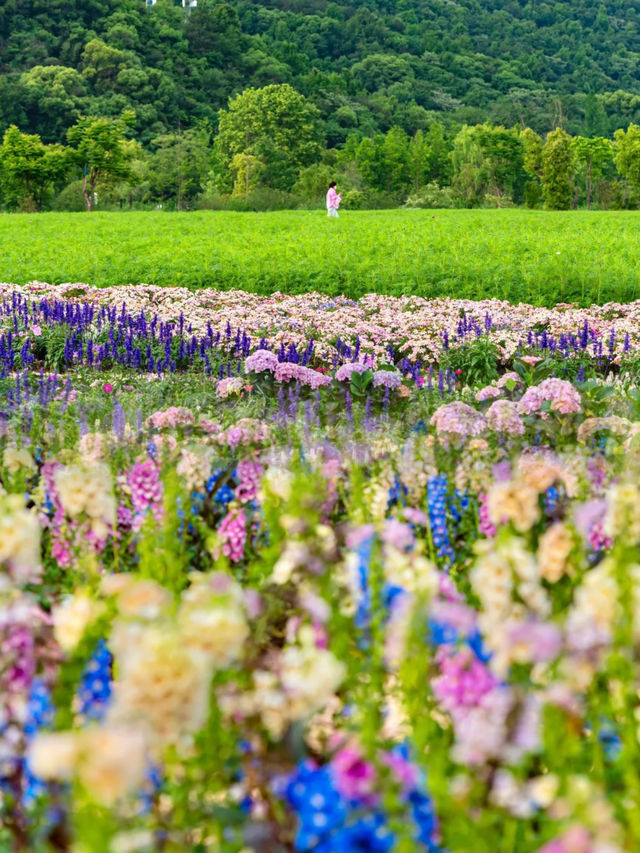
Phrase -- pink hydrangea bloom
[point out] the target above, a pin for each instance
(343, 374)
(261, 360)
(397, 534)
(508, 377)
(231, 385)
(287, 370)
(458, 419)
(562, 396)
(387, 379)
(502, 416)
(171, 417)
(488, 393)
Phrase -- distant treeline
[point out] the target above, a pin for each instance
(367, 65)
(269, 151)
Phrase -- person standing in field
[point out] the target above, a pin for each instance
(333, 200)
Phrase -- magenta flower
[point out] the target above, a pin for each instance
(146, 490)
(249, 474)
(233, 534)
(463, 682)
(355, 778)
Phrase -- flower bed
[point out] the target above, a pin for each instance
(309, 599)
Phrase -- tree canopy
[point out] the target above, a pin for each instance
(366, 67)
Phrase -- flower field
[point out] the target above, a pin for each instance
(299, 573)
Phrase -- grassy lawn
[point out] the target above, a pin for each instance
(533, 256)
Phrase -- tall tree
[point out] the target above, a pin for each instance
(396, 162)
(627, 158)
(276, 125)
(29, 168)
(532, 162)
(419, 157)
(557, 170)
(99, 149)
(591, 159)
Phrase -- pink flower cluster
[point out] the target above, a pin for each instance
(387, 379)
(245, 431)
(171, 417)
(485, 526)
(458, 419)
(355, 777)
(233, 534)
(502, 416)
(228, 386)
(146, 490)
(562, 395)
(287, 370)
(344, 372)
(576, 839)
(249, 474)
(463, 681)
(488, 393)
(261, 360)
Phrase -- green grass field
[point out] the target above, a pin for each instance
(533, 256)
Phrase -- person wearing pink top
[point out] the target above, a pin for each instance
(333, 200)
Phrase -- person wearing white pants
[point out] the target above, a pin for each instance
(333, 201)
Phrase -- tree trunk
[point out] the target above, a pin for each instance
(88, 198)
(589, 184)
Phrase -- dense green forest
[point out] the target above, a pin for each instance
(390, 96)
(368, 65)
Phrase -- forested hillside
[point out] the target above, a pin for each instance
(368, 65)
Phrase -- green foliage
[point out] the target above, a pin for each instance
(592, 156)
(276, 127)
(431, 197)
(627, 157)
(557, 170)
(28, 168)
(366, 67)
(475, 364)
(98, 147)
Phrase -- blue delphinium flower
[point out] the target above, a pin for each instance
(458, 505)
(328, 822)
(40, 712)
(551, 497)
(319, 806)
(443, 633)
(369, 834)
(397, 493)
(94, 691)
(364, 553)
(437, 508)
(224, 496)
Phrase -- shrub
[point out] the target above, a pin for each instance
(432, 196)
(70, 198)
